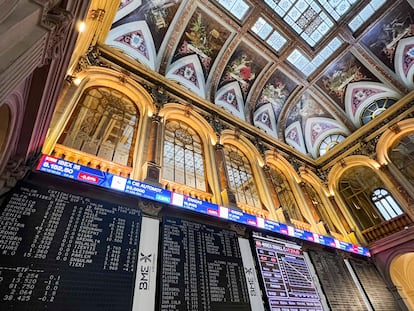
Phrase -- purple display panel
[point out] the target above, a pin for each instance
(286, 277)
(89, 175)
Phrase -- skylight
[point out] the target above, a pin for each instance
(306, 66)
(365, 13)
(266, 31)
(312, 20)
(238, 8)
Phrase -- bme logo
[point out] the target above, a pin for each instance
(144, 278)
(145, 258)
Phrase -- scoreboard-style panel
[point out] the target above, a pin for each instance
(285, 274)
(340, 289)
(64, 251)
(201, 268)
(374, 286)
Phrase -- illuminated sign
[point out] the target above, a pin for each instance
(89, 175)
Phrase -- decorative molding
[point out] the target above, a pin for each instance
(150, 208)
(14, 171)
(58, 21)
(216, 123)
(91, 58)
(367, 148)
(160, 96)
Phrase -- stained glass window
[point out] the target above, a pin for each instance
(240, 176)
(238, 8)
(104, 124)
(266, 32)
(365, 14)
(311, 20)
(386, 204)
(307, 66)
(183, 160)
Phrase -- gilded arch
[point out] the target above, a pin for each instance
(174, 111)
(291, 200)
(256, 162)
(104, 77)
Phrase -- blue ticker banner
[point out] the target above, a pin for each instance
(63, 168)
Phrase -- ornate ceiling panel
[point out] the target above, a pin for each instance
(305, 72)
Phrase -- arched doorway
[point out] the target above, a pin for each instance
(402, 275)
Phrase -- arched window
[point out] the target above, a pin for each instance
(285, 194)
(359, 187)
(183, 160)
(240, 176)
(329, 142)
(375, 109)
(402, 156)
(386, 204)
(104, 125)
(319, 207)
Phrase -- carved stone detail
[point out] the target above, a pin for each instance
(258, 143)
(160, 96)
(58, 21)
(14, 171)
(239, 229)
(91, 58)
(149, 207)
(216, 123)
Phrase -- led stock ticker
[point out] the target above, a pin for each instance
(60, 167)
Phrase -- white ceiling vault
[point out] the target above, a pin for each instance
(306, 72)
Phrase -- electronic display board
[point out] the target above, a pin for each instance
(65, 251)
(286, 276)
(201, 268)
(89, 175)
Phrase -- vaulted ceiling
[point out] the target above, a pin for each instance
(306, 72)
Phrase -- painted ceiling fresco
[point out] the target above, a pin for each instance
(247, 58)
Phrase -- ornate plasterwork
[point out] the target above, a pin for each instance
(58, 21)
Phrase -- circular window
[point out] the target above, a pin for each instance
(329, 142)
(375, 109)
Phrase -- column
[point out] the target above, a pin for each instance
(227, 195)
(153, 168)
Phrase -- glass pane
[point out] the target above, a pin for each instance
(183, 152)
(241, 180)
(104, 124)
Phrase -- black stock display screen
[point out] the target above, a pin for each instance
(285, 275)
(201, 268)
(62, 251)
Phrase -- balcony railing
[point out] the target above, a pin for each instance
(387, 228)
(186, 190)
(87, 159)
(257, 211)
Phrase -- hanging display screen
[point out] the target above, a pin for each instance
(65, 251)
(285, 274)
(89, 175)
